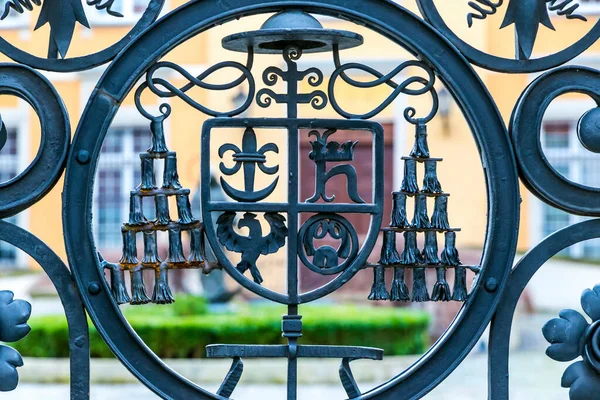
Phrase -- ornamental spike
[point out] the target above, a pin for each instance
(129, 248)
(175, 247)
(399, 288)
(148, 178)
(184, 209)
(170, 176)
(411, 254)
(430, 252)
(421, 149)
(409, 183)
(439, 219)
(151, 257)
(138, 288)
(450, 255)
(389, 253)
(399, 219)
(379, 291)
(420, 218)
(162, 292)
(420, 293)
(136, 213)
(431, 184)
(460, 284)
(162, 209)
(441, 289)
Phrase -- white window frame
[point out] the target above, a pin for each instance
(559, 111)
(19, 118)
(588, 9)
(102, 18)
(14, 20)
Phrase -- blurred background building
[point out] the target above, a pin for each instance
(118, 171)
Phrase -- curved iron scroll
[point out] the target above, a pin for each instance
(59, 274)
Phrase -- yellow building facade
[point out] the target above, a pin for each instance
(450, 137)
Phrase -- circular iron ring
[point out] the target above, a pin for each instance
(44, 171)
(395, 23)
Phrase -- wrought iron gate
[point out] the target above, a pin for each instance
(296, 225)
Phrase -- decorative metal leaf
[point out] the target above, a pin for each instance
(564, 335)
(583, 381)
(590, 302)
(13, 317)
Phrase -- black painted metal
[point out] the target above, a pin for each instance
(291, 32)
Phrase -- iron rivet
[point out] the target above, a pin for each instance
(83, 157)
(587, 130)
(491, 285)
(94, 288)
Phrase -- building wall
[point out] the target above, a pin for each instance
(461, 173)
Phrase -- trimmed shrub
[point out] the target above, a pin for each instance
(173, 335)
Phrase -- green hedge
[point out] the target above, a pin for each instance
(171, 332)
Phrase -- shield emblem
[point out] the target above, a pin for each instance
(304, 228)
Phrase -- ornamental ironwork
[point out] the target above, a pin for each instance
(265, 213)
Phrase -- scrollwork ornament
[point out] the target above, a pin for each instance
(570, 337)
(406, 87)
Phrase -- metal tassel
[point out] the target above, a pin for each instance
(184, 209)
(170, 176)
(420, 219)
(162, 292)
(411, 254)
(431, 184)
(162, 209)
(399, 219)
(129, 248)
(379, 290)
(409, 183)
(450, 255)
(117, 281)
(439, 219)
(430, 252)
(399, 288)
(420, 293)
(157, 127)
(148, 178)
(421, 150)
(196, 246)
(136, 212)
(138, 288)
(151, 257)
(389, 253)
(175, 247)
(460, 284)
(441, 289)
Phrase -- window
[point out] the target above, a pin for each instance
(13, 19)
(566, 154)
(119, 172)
(130, 9)
(9, 169)
(589, 7)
